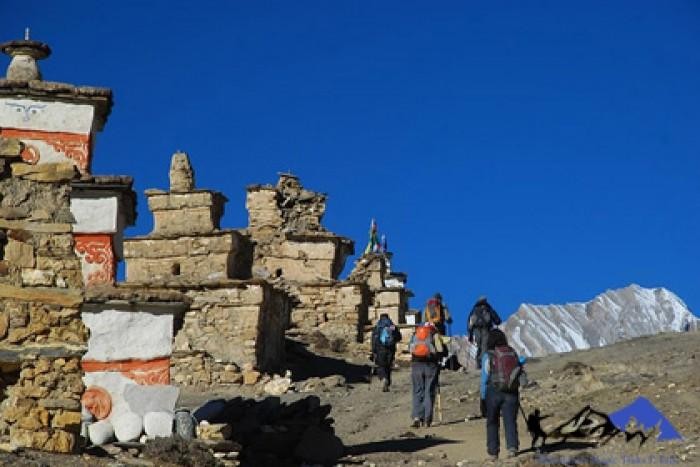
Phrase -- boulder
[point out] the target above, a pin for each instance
(251, 377)
(127, 426)
(214, 431)
(277, 386)
(319, 447)
(185, 424)
(100, 432)
(158, 424)
(333, 381)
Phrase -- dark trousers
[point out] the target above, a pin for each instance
(384, 373)
(424, 376)
(498, 402)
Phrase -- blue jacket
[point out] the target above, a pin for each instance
(485, 362)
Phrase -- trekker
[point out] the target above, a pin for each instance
(427, 346)
(436, 312)
(500, 374)
(385, 335)
(481, 320)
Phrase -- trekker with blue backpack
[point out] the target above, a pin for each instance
(385, 335)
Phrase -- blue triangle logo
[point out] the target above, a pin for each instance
(647, 416)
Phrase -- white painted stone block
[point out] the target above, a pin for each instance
(128, 426)
(94, 215)
(101, 432)
(156, 398)
(121, 335)
(29, 114)
(114, 383)
(158, 424)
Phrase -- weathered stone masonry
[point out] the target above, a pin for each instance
(234, 323)
(45, 134)
(201, 304)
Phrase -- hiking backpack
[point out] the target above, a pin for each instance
(505, 369)
(386, 335)
(433, 312)
(423, 344)
(482, 317)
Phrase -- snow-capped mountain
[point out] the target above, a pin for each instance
(537, 330)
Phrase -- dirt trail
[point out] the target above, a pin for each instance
(375, 426)
(665, 369)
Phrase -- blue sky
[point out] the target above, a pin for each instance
(535, 152)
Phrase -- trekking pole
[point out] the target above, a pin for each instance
(439, 404)
(522, 412)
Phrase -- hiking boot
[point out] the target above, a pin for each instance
(493, 457)
(416, 423)
(512, 453)
(385, 387)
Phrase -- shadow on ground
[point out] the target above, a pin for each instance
(557, 446)
(407, 445)
(305, 364)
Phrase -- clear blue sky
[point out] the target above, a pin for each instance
(534, 152)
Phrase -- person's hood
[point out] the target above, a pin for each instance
(385, 322)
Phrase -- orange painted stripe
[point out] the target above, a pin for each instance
(45, 135)
(126, 365)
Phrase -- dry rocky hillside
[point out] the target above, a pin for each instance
(374, 426)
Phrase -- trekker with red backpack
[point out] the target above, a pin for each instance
(427, 347)
(500, 374)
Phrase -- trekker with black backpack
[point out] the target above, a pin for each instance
(501, 371)
(481, 320)
(385, 335)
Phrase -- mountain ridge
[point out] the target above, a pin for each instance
(612, 316)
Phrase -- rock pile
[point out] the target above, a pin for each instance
(273, 433)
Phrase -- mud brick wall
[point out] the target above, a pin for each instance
(337, 310)
(239, 324)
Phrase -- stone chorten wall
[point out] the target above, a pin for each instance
(387, 291)
(229, 330)
(186, 242)
(46, 132)
(233, 324)
(295, 251)
(41, 335)
(284, 222)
